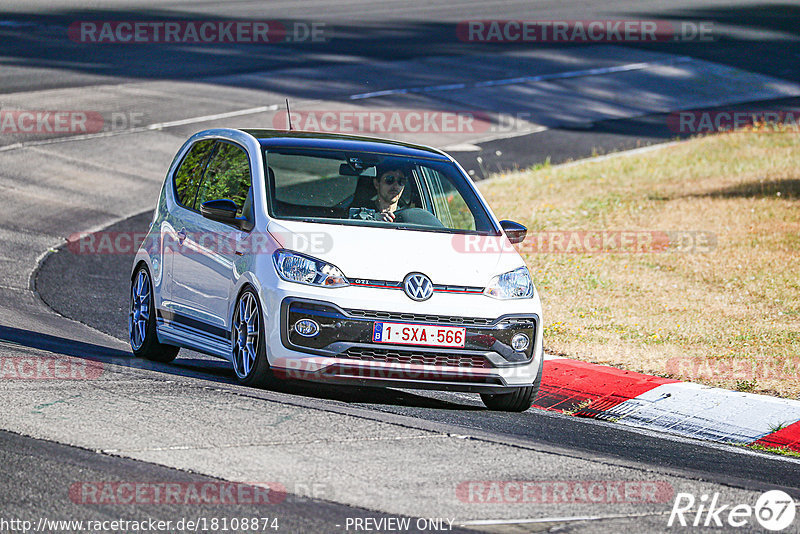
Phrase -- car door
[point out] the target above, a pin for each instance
(185, 182)
(203, 267)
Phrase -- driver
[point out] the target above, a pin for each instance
(389, 183)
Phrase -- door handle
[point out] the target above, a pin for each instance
(182, 236)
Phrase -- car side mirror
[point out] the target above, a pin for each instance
(514, 231)
(224, 210)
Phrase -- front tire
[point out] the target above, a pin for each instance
(248, 341)
(142, 321)
(517, 401)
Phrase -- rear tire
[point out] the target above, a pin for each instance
(248, 342)
(142, 321)
(518, 400)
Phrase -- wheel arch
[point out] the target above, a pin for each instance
(246, 281)
(138, 264)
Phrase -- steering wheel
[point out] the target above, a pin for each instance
(417, 216)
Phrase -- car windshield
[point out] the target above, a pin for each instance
(343, 188)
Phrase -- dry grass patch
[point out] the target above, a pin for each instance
(728, 317)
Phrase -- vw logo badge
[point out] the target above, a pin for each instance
(418, 286)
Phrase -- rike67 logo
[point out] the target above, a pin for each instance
(774, 511)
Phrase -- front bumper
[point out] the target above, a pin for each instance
(343, 350)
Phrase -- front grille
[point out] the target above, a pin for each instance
(420, 318)
(417, 357)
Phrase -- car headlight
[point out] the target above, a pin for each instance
(516, 284)
(294, 267)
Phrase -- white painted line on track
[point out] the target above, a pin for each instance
(429, 436)
(462, 147)
(487, 522)
(526, 79)
(216, 116)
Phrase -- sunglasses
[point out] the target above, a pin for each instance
(389, 180)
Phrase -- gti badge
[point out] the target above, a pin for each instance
(418, 286)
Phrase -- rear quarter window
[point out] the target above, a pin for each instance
(188, 175)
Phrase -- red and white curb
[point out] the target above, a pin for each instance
(665, 405)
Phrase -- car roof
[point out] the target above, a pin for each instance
(329, 141)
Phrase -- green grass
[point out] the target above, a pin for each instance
(783, 451)
(736, 301)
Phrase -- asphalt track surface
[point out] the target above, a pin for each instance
(35, 471)
(92, 289)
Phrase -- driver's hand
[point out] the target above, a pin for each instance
(387, 216)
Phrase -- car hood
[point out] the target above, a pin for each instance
(390, 254)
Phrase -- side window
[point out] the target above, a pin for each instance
(448, 204)
(187, 178)
(227, 176)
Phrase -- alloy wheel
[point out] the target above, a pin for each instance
(246, 332)
(140, 310)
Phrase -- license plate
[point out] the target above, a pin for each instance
(418, 334)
